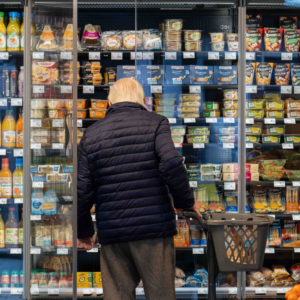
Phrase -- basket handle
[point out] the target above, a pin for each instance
(193, 215)
(265, 220)
(253, 151)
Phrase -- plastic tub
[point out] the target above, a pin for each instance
(188, 108)
(80, 131)
(81, 104)
(274, 104)
(102, 104)
(39, 113)
(197, 139)
(189, 97)
(273, 164)
(255, 114)
(275, 129)
(255, 104)
(217, 46)
(53, 103)
(192, 35)
(97, 113)
(292, 104)
(172, 35)
(191, 103)
(224, 138)
(230, 94)
(231, 104)
(253, 129)
(81, 113)
(208, 168)
(188, 115)
(292, 138)
(227, 130)
(56, 113)
(293, 175)
(216, 37)
(164, 102)
(172, 45)
(211, 105)
(193, 46)
(211, 113)
(211, 176)
(271, 175)
(292, 113)
(38, 103)
(173, 24)
(201, 130)
(166, 96)
(177, 139)
(178, 130)
(232, 37)
(252, 139)
(165, 108)
(277, 114)
(167, 114)
(233, 46)
(230, 113)
(271, 138)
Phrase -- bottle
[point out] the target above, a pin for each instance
(20, 130)
(5, 180)
(63, 283)
(14, 279)
(2, 33)
(33, 33)
(18, 179)
(21, 231)
(11, 230)
(33, 280)
(21, 279)
(9, 130)
(22, 33)
(13, 32)
(5, 84)
(2, 231)
(43, 283)
(14, 83)
(5, 279)
(21, 83)
(52, 283)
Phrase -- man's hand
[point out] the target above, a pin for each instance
(193, 208)
(86, 243)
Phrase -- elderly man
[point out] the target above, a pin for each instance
(128, 166)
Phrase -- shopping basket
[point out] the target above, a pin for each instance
(234, 243)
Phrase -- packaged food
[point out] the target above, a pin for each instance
(208, 168)
(295, 268)
(103, 104)
(274, 104)
(254, 21)
(230, 94)
(110, 75)
(290, 228)
(230, 176)
(230, 113)
(225, 75)
(193, 46)
(271, 139)
(84, 279)
(275, 200)
(152, 39)
(282, 74)
(201, 75)
(55, 103)
(178, 130)
(173, 24)
(226, 130)
(192, 103)
(97, 280)
(81, 113)
(272, 95)
(164, 108)
(169, 114)
(273, 164)
(202, 274)
(295, 74)
(38, 103)
(189, 97)
(292, 113)
(211, 105)
(264, 73)
(188, 115)
(179, 282)
(279, 272)
(187, 108)
(275, 129)
(258, 276)
(291, 40)
(179, 273)
(211, 113)
(45, 72)
(177, 139)
(153, 74)
(47, 40)
(182, 239)
(199, 130)
(56, 113)
(172, 35)
(230, 104)
(253, 39)
(172, 45)
(233, 46)
(67, 41)
(250, 71)
(193, 282)
(253, 129)
(222, 138)
(81, 104)
(288, 22)
(217, 46)
(293, 175)
(216, 37)
(192, 35)
(165, 96)
(255, 104)
(252, 139)
(292, 138)
(132, 40)
(231, 202)
(252, 168)
(90, 38)
(211, 176)
(230, 168)
(97, 113)
(197, 139)
(274, 234)
(255, 114)
(97, 79)
(292, 104)
(128, 72)
(177, 75)
(38, 113)
(273, 39)
(277, 114)
(165, 102)
(260, 202)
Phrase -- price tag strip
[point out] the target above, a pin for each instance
(279, 183)
(53, 291)
(38, 55)
(195, 89)
(66, 89)
(3, 102)
(189, 120)
(4, 55)
(93, 250)
(2, 151)
(286, 56)
(38, 89)
(296, 217)
(170, 55)
(228, 120)
(193, 184)
(137, 56)
(249, 145)
(214, 55)
(211, 120)
(117, 56)
(289, 121)
(286, 89)
(18, 200)
(296, 89)
(287, 146)
(94, 55)
(156, 89)
(228, 145)
(230, 55)
(270, 250)
(16, 101)
(79, 123)
(172, 120)
(250, 55)
(249, 121)
(198, 251)
(18, 152)
(3, 201)
(229, 186)
(35, 217)
(198, 145)
(251, 89)
(88, 89)
(62, 251)
(16, 251)
(188, 55)
(35, 250)
(66, 55)
(270, 121)
(148, 55)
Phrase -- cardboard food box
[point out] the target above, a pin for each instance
(230, 176)
(153, 74)
(128, 72)
(230, 168)
(252, 168)
(252, 176)
(225, 75)
(201, 75)
(84, 279)
(97, 280)
(177, 74)
(45, 72)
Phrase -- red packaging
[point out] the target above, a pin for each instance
(252, 176)
(253, 39)
(273, 39)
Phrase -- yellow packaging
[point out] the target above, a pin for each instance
(97, 280)
(84, 279)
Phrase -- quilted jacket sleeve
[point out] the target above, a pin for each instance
(85, 194)
(171, 167)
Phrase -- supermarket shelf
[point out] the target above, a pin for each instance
(278, 55)
(195, 250)
(280, 146)
(4, 201)
(12, 251)
(270, 88)
(209, 145)
(277, 121)
(51, 249)
(267, 183)
(12, 54)
(265, 292)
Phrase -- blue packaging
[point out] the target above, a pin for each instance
(128, 72)
(225, 75)
(201, 274)
(275, 234)
(43, 203)
(231, 200)
(201, 75)
(177, 74)
(153, 74)
(193, 282)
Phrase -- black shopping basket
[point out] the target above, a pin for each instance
(234, 243)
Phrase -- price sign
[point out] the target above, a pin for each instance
(178, 145)
(58, 146)
(58, 123)
(249, 145)
(170, 55)
(139, 291)
(35, 146)
(117, 56)
(35, 250)
(138, 56)
(156, 89)
(172, 120)
(18, 200)
(250, 55)
(88, 291)
(34, 291)
(270, 250)
(63, 251)
(229, 186)
(3, 201)
(99, 291)
(4, 55)
(79, 123)
(251, 89)
(286, 89)
(66, 55)
(213, 55)
(94, 55)
(188, 55)
(211, 120)
(18, 152)
(35, 217)
(66, 89)
(16, 291)
(249, 121)
(296, 183)
(270, 121)
(230, 55)
(283, 290)
(287, 146)
(279, 183)
(198, 145)
(228, 145)
(37, 184)
(289, 121)
(189, 120)
(194, 89)
(202, 291)
(16, 101)
(148, 55)
(38, 55)
(16, 251)
(88, 89)
(297, 250)
(38, 89)
(296, 217)
(35, 123)
(296, 89)
(286, 56)
(2, 151)
(53, 291)
(228, 120)
(3, 102)
(260, 290)
(198, 251)
(93, 250)
(193, 184)
(232, 291)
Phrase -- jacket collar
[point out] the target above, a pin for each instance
(124, 106)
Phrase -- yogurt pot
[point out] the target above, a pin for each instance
(233, 46)
(216, 37)
(232, 37)
(217, 46)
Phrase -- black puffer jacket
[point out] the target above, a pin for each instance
(125, 163)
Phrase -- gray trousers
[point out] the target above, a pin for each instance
(124, 264)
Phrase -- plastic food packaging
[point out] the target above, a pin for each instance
(253, 129)
(255, 114)
(172, 45)
(227, 130)
(56, 113)
(152, 39)
(292, 113)
(275, 129)
(38, 113)
(250, 71)
(177, 139)
(81, 113)
(193, 46)
(165, 108)
(211, 113)
(132, 40)
(271, 175)
(179, 273)
(47, 40)
(217, 46)
(188, 108)
(102, 104)
(97, 113)
(292, 138)
(110, 75)
(173, 24)
(178, 130)
(230, 104)
(273, 164)
(292, 104)
(222, 138)
(197, 139)
(172, 35)
(274, 104)
(255, 104)
(81, 104)
(291, 40)
(252, 139)
(271, 139)
(273, 39)
(232, 37)
(168, 114)
(192, 103)
(38, 104)
(264, 73)
(216, 37)
(230, 94)
(189, 97)
(67, 41)
(280, 272)
(276, 114)
(111, 40)
(293, 175)
(199, 130)
(282, 74)
(258, 276)
(55, 103)
(230, 113)
(292, 199)
(188, 115)
(192, 35)
(254, 39)
(211, 105)
(233, 46)
(164, 102)
(90, 38)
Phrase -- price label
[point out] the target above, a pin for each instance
(16, 251)
(38, 89)
(228, 120)
(170, 55)
(286, 56)
(260, 290)
(249, 121)
(63, 251)
(88, 89)
(282, 290)
(156, 89)
(38, 55)
(2, 151)
(66, 55)
(35, 146)
(188, 55)
(193, 184)
(148, 55)
(202, 291)
(88, 291)
(270, 121)
(286, 89)
(296, 183)
(16, 291)
(213, 55)
(139, 291)
(230, 55)
(53, 291)
(289, 121)
(16, 101)
(79, 123)
(172, 120)
(58, 146)
(251, 89)
(137, 56)
(4, 55)
(198, 251)
(249, 145)
(232, 291)
(3, 201)
(35, 217)
(93, 250)
(18, 200)
(18, 152)
(66, 89)
(3, 102)
(211, 120)
(250, 55)
(189, 120)
(297, 250)
(94, 55)
(228, 145)
(178, 145)
(117, 56)
(58, 123)
(229, 186)
(198, 145)
(35, 250)
(296, 89)
(270, 250)
(279, 183)
(99, 291)
(287, 146)
(35, 123)
(195, 89)
(34, 291)
(37, 184)
(296, 217)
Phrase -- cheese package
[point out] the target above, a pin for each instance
(177, 75)
(153, 74)
(84, 279)
(230, 176)
(201, 75)
(230, 168)
(225, 75)
(97, 280)
(252, 168)
(252, 176)
(45, 72)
